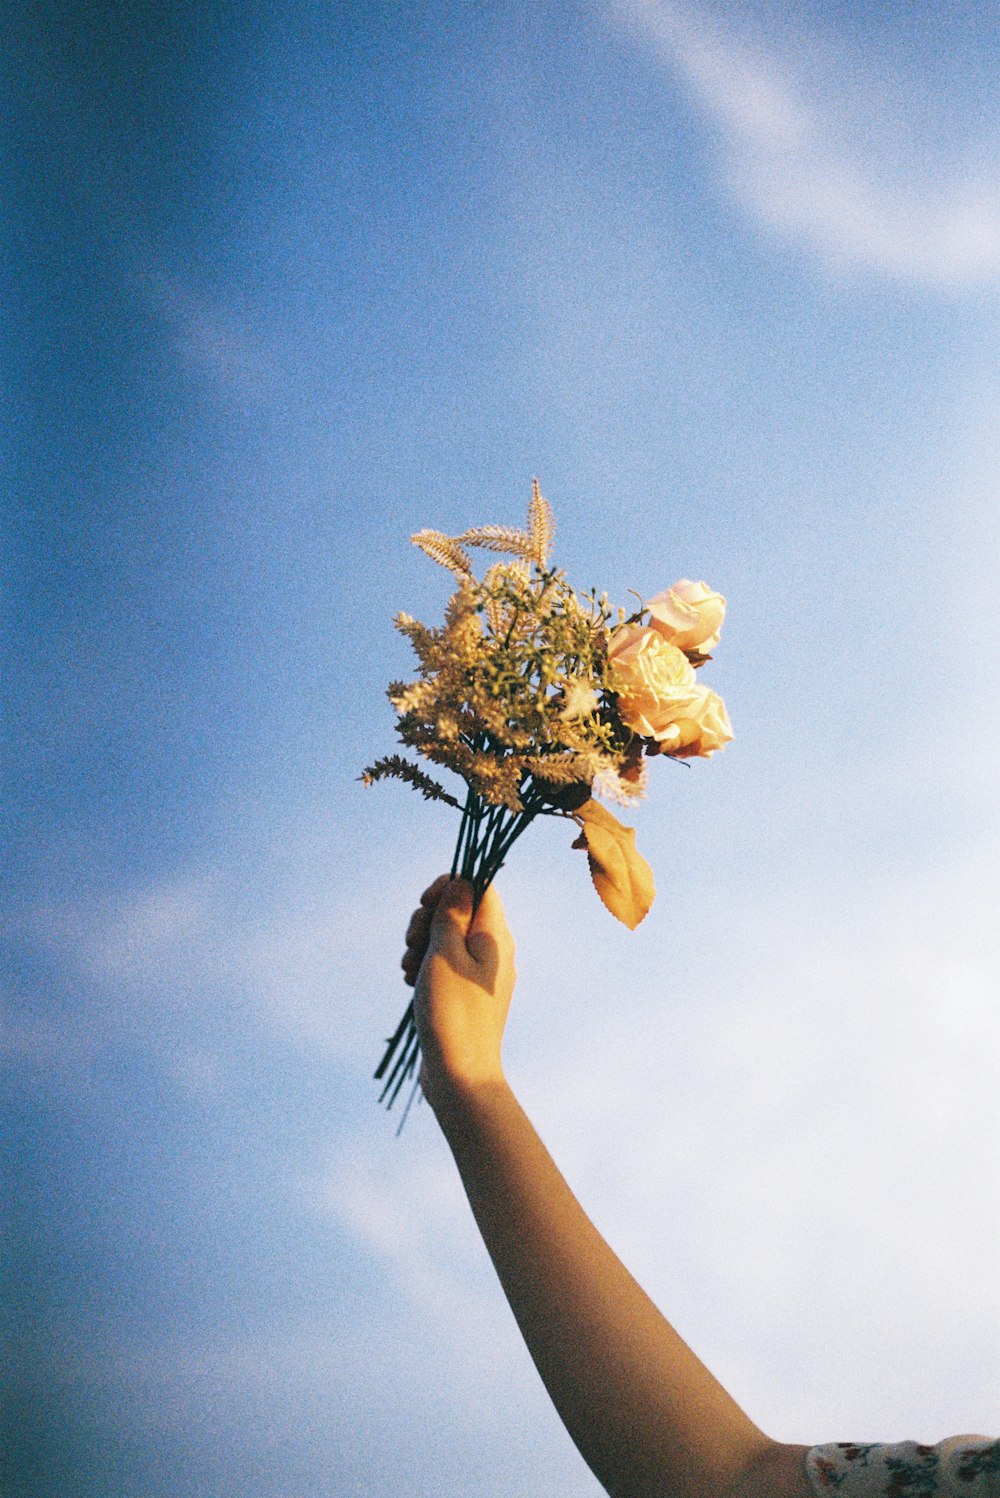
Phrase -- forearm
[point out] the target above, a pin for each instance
(645, 1413)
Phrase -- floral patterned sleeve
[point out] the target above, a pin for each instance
(963, 1465)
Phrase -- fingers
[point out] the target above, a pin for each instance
(418, 931)
(411, 966)
(441, 923)
(451, 919)
(421, 917)
(431, 893)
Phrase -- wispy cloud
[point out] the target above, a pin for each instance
(280, 928)
(822, 175)
(237, 357)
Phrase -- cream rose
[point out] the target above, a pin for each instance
(660, 698)
(688, 615)
(703, 732)
(657, 681)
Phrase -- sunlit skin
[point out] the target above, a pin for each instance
(645, 1413)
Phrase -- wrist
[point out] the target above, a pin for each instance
(460, 1098)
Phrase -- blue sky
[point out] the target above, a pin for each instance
(288, 286)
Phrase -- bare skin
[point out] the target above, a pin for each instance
(645, 1413)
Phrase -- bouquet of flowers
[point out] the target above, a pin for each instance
(540, 698)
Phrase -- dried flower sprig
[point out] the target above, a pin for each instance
(401, 769)
(538, 696)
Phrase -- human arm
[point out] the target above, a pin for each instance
(646, 1415)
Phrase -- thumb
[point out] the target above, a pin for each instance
(451, 918)
(488, 930)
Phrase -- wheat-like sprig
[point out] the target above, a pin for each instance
(489, 705)
(498, 538)
(541, 526)
(560, 769)
(445, 550)
(496, 614)
(394, 766)
(419, 636)
(499, 780)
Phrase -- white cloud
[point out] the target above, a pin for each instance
(403, 1204)
(196, 938)
(803, 1172)
(821, 173)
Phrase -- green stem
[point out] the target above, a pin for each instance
(493, 832)
(461, 833)
(485, 837)
(512, 834)
(472, 840)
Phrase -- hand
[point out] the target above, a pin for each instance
(462, 967)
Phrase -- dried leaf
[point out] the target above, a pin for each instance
(621, 875)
